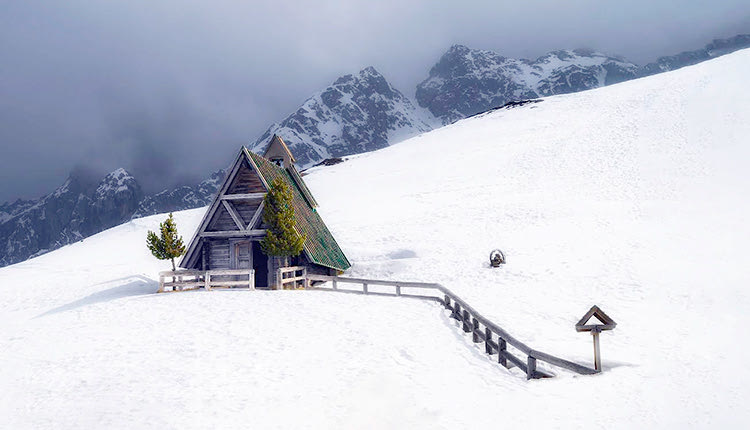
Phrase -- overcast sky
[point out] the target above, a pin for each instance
(171, 89)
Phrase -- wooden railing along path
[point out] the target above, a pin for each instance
(496, 340)
(193, 279)
(292, 277)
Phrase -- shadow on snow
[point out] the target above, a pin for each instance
(136, 285)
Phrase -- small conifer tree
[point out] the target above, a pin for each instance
(168, 245)
(281, 239)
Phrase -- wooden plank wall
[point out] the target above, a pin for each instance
(246, 209)
(218, 253)
(246, 181)
(221, 221)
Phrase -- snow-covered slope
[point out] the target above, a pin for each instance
(632, 197)
(357, 113)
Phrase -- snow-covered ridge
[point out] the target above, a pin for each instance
(357, 113)
(117, 181)
(467, 81)
(83, 206)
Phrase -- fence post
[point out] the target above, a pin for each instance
(335, 287)
(466, 321)
(447, 302)
(487, 340)
(530, 367)
(398, 290)
(597, 352)
(475, 331)
(364, 287)
(457, 311)
(501, 346)
(161, 283)
(208, 280)
(306, 281)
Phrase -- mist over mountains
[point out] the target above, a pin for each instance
(357, 113)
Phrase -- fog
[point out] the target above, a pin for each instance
(170, 89)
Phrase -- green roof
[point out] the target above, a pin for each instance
(320, 246)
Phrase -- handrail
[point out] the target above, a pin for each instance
(471, 319)
(281, 280)
(203, 278)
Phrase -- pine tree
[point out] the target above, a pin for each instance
(168, 245)
(281, 239)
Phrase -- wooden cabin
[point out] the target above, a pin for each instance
(230, 233)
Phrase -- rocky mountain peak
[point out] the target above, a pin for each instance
(468, 81)
(118, 181)
(357, 113)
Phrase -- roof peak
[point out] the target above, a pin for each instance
(278, 152)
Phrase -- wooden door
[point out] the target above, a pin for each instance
(242, 255)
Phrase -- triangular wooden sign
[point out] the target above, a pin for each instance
(607, 322)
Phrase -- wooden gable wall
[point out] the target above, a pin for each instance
(246, 181)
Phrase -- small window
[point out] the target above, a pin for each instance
(278, 161)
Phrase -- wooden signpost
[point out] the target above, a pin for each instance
(607, 323)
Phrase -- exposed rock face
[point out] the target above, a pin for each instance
(468, 81)
(714, 49)
(357, 113)
(82, 207)
(78, 208)
(181, 198)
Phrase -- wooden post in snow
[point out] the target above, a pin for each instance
(597, 352)
(607, 323)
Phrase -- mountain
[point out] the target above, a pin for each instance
(180, 198)
(357, 113)
(631, 197)
(716, 48)
(78, 208)
(468, 81)
(83, 206)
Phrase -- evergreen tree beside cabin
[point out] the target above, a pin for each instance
(231, 231)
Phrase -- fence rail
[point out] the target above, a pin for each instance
(495, 338)
(294, 277)
(194, 279)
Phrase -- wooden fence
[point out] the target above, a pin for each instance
(495, 339)
(292, 278)
(193, 279)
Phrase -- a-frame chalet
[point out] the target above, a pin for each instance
(229, 235)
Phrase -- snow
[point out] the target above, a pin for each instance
(117, 180)
(631, 197)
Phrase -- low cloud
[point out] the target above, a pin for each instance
(170, 89)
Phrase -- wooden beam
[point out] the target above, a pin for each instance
(256, 215)
(242, 233)
(233, 213)
(251, 196)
